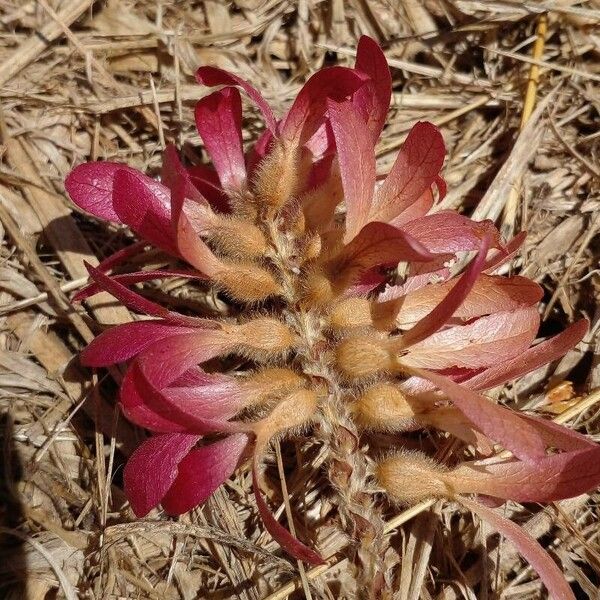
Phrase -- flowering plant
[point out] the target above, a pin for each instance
(335, 341)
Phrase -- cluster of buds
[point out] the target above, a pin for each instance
(345, 306)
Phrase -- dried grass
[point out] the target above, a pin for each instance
(84, 80)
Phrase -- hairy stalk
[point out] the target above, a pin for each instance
(349, 465)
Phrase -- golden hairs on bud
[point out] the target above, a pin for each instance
(412, 477)
(236, 238)
(277, 178)
(246, 282)
(383, 407)
(363, 356)
(295, 410)
(264, 335)
(271, 383)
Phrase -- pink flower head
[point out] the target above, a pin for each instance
(346, 343)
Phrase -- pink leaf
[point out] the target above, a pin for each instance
(137, 410)
(280, 534)
(306, 113)
(559, 436)
(414, 172)
(356, 157)
(126, 279)
(444, 310)
(552, 477)
(90, 186)
(419, 208)
(219, 123)
(449, 232)
(496, 422)
(152, 469)
(202, 471)
(206, 181)
(122, 342)
(503, 255)
(212, 76)
(147, 406)
(373, 99)
(489, 295)
(163, 363)
(137, 302)
(531, 359)
(143, 209)
(487, 341)
(188, 243)
(549, 572)
(379, 244)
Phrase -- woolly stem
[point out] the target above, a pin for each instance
(349, 470)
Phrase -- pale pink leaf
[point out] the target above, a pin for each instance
(490, 294)
(530, 360)
(489, 340)
(416, 168)
(496, 422)
(356, 158)
(443, 311)
(550, 478)
(373, 99)
(549, 572)
(449, 232)
(379, 244)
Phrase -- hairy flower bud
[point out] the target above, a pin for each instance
(247, 282)
(236, 238)
(266, 336)
(271, 383)
(362, 357)
(383, 407)
(411, 477)
(277, 177)
(295, 410)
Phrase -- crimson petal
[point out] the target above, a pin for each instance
(219, 123)
(202, 471)
(122, 342)
(140, 206)
(152, 469)
(212, 76)
(90, 186)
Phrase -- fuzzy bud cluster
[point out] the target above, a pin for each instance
(295, 233)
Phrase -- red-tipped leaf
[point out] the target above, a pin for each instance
(219, 123)
(152, 469)
(202, 471)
